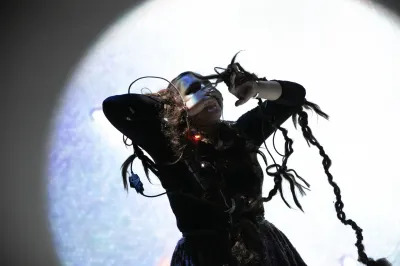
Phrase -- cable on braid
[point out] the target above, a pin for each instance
(326, 162)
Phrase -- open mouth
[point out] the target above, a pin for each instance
(213, 104)
(214, 107)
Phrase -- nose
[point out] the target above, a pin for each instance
(210, 89)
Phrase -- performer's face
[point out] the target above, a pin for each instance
(203, 100)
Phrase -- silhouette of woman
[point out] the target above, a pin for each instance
(209, 166)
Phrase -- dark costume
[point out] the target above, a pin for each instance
(213, 188)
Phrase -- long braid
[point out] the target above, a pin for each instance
(326, 162)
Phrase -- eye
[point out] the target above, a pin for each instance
(195, 86)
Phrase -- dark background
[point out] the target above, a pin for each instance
(41, 42)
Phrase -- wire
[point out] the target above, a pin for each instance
(141, 91)
(170, 83)
(153, 196)
(273, 143)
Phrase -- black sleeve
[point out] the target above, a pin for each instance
(137, 116)
(256, 124)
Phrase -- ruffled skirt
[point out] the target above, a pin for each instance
(249, 244)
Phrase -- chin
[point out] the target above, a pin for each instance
(215, 119)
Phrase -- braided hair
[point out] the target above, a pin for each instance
(341, 215)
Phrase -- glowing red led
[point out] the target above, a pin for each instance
(197, 137)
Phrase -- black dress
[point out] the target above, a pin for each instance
(212, 189)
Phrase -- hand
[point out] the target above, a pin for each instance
(244, 92)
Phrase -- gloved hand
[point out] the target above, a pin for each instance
(264, 89)
(244, 92)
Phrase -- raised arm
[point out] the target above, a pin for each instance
(138, 117)
(283, 98)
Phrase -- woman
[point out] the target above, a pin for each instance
(216, 165)
(209, 167)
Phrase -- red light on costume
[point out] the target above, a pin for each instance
(197, 137)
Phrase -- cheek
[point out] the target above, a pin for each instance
(194, 99)
(189, 101)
